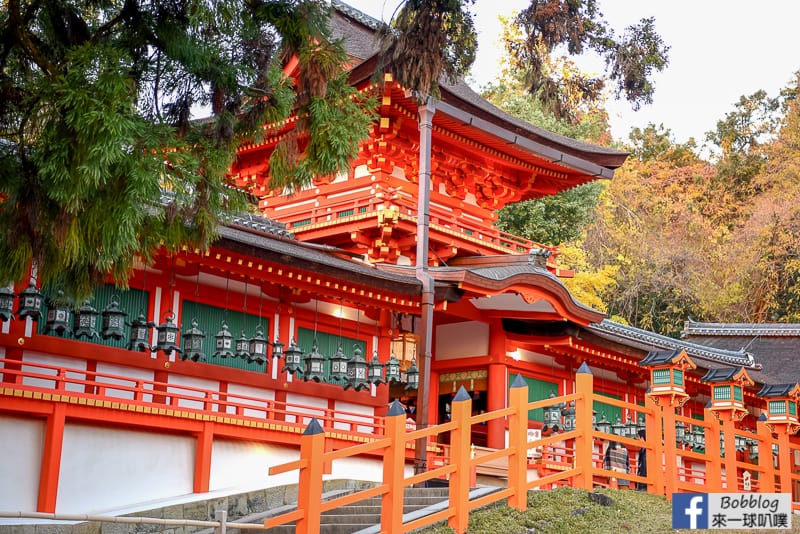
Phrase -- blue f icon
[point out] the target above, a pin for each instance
(690, 510)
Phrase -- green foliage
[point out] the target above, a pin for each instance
(100, 160)
(552, 220)
(428, 39)
(548, 25)
(567, 510)
(655, 143)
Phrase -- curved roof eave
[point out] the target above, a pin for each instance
(652, 341)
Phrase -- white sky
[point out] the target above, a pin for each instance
(720, 50)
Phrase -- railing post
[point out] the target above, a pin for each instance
(731, 474)
(670, 450)
(784, 460)
(714, 453)
(654, 453)
(584, 443)
(222, 517)
(517, 441)
(309, 491)
(394, 470)
(766, 481)
(460, 449)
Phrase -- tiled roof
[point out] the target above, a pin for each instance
(659, 357)
(777, 390)
(720, 375)
(656, 341)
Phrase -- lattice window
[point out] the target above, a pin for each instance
(677, 377)
(777, 407)
(722, 393)
(660, 377)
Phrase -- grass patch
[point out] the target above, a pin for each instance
(570, 511)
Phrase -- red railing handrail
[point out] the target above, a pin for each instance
(214, 402)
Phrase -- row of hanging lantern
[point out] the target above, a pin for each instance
(354, 371)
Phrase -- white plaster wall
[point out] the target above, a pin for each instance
(60, 361)
(352, 410)
(107, 468)
(462, 340)
(248, 391)
(20, 463)
(245, 465)
(313, 406)
(131, 373)
(188, 381)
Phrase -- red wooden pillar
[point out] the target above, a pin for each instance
(496, 385)
(51, 459)
(731, 473)
(14, 354)
(202, 458)
(655, 454)
(714, 453)
(496, 400)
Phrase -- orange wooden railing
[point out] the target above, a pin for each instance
(570, 458)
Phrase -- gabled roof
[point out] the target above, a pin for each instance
(463, 104)
(779, 390)
(729, 374)
(667, 357)
(775, 345)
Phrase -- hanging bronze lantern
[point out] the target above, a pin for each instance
(294, 358)
(113, 320)
(30, 303)
(85, 321)
(223, 343)
(7, 302)
(243, 347)
(339, 365)
(277, 349)
(552, 416)
(140, 334)
(315, 365)
(57, 321)
(569, 417)
(376, 370)
(357, 372)
(412, 376)
(604, 425)
(258, 347)
(393, 370)
(167, 335)
(193, 344)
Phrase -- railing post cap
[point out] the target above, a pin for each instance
(461, 395)
(395, 409)
(584, 369)
(313, 428)
(519, 382)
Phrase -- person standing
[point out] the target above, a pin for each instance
(641, 462)
(616, 459)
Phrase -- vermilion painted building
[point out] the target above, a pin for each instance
(92, 422)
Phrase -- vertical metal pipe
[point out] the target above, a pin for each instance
(426, 112)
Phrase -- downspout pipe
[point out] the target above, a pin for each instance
(426, 112)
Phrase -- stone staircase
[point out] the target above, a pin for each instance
(364, 517)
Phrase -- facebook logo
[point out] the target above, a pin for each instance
(690, 510)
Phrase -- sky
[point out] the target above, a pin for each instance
(720, 50)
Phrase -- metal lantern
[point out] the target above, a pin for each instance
(223, 343)
(7, 302)
(699, 437)
(552, 416)
(30, 303)
(392, 370)
(57, 321)
(357, 372)
(741, 443)
(569, 417)
(375, 370)
(294, 358)
(618, 427)
(753, 449)
(680, 432)
(85, 321)
(315, 365)
(113, 320)
(604, 425)
(631, 428)
(277, 348)
(243, 347)
(339, 365)
(412, 376)
(640, 425)
(140, 334)
(193, 344)
(167, 335)
(258, 347)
